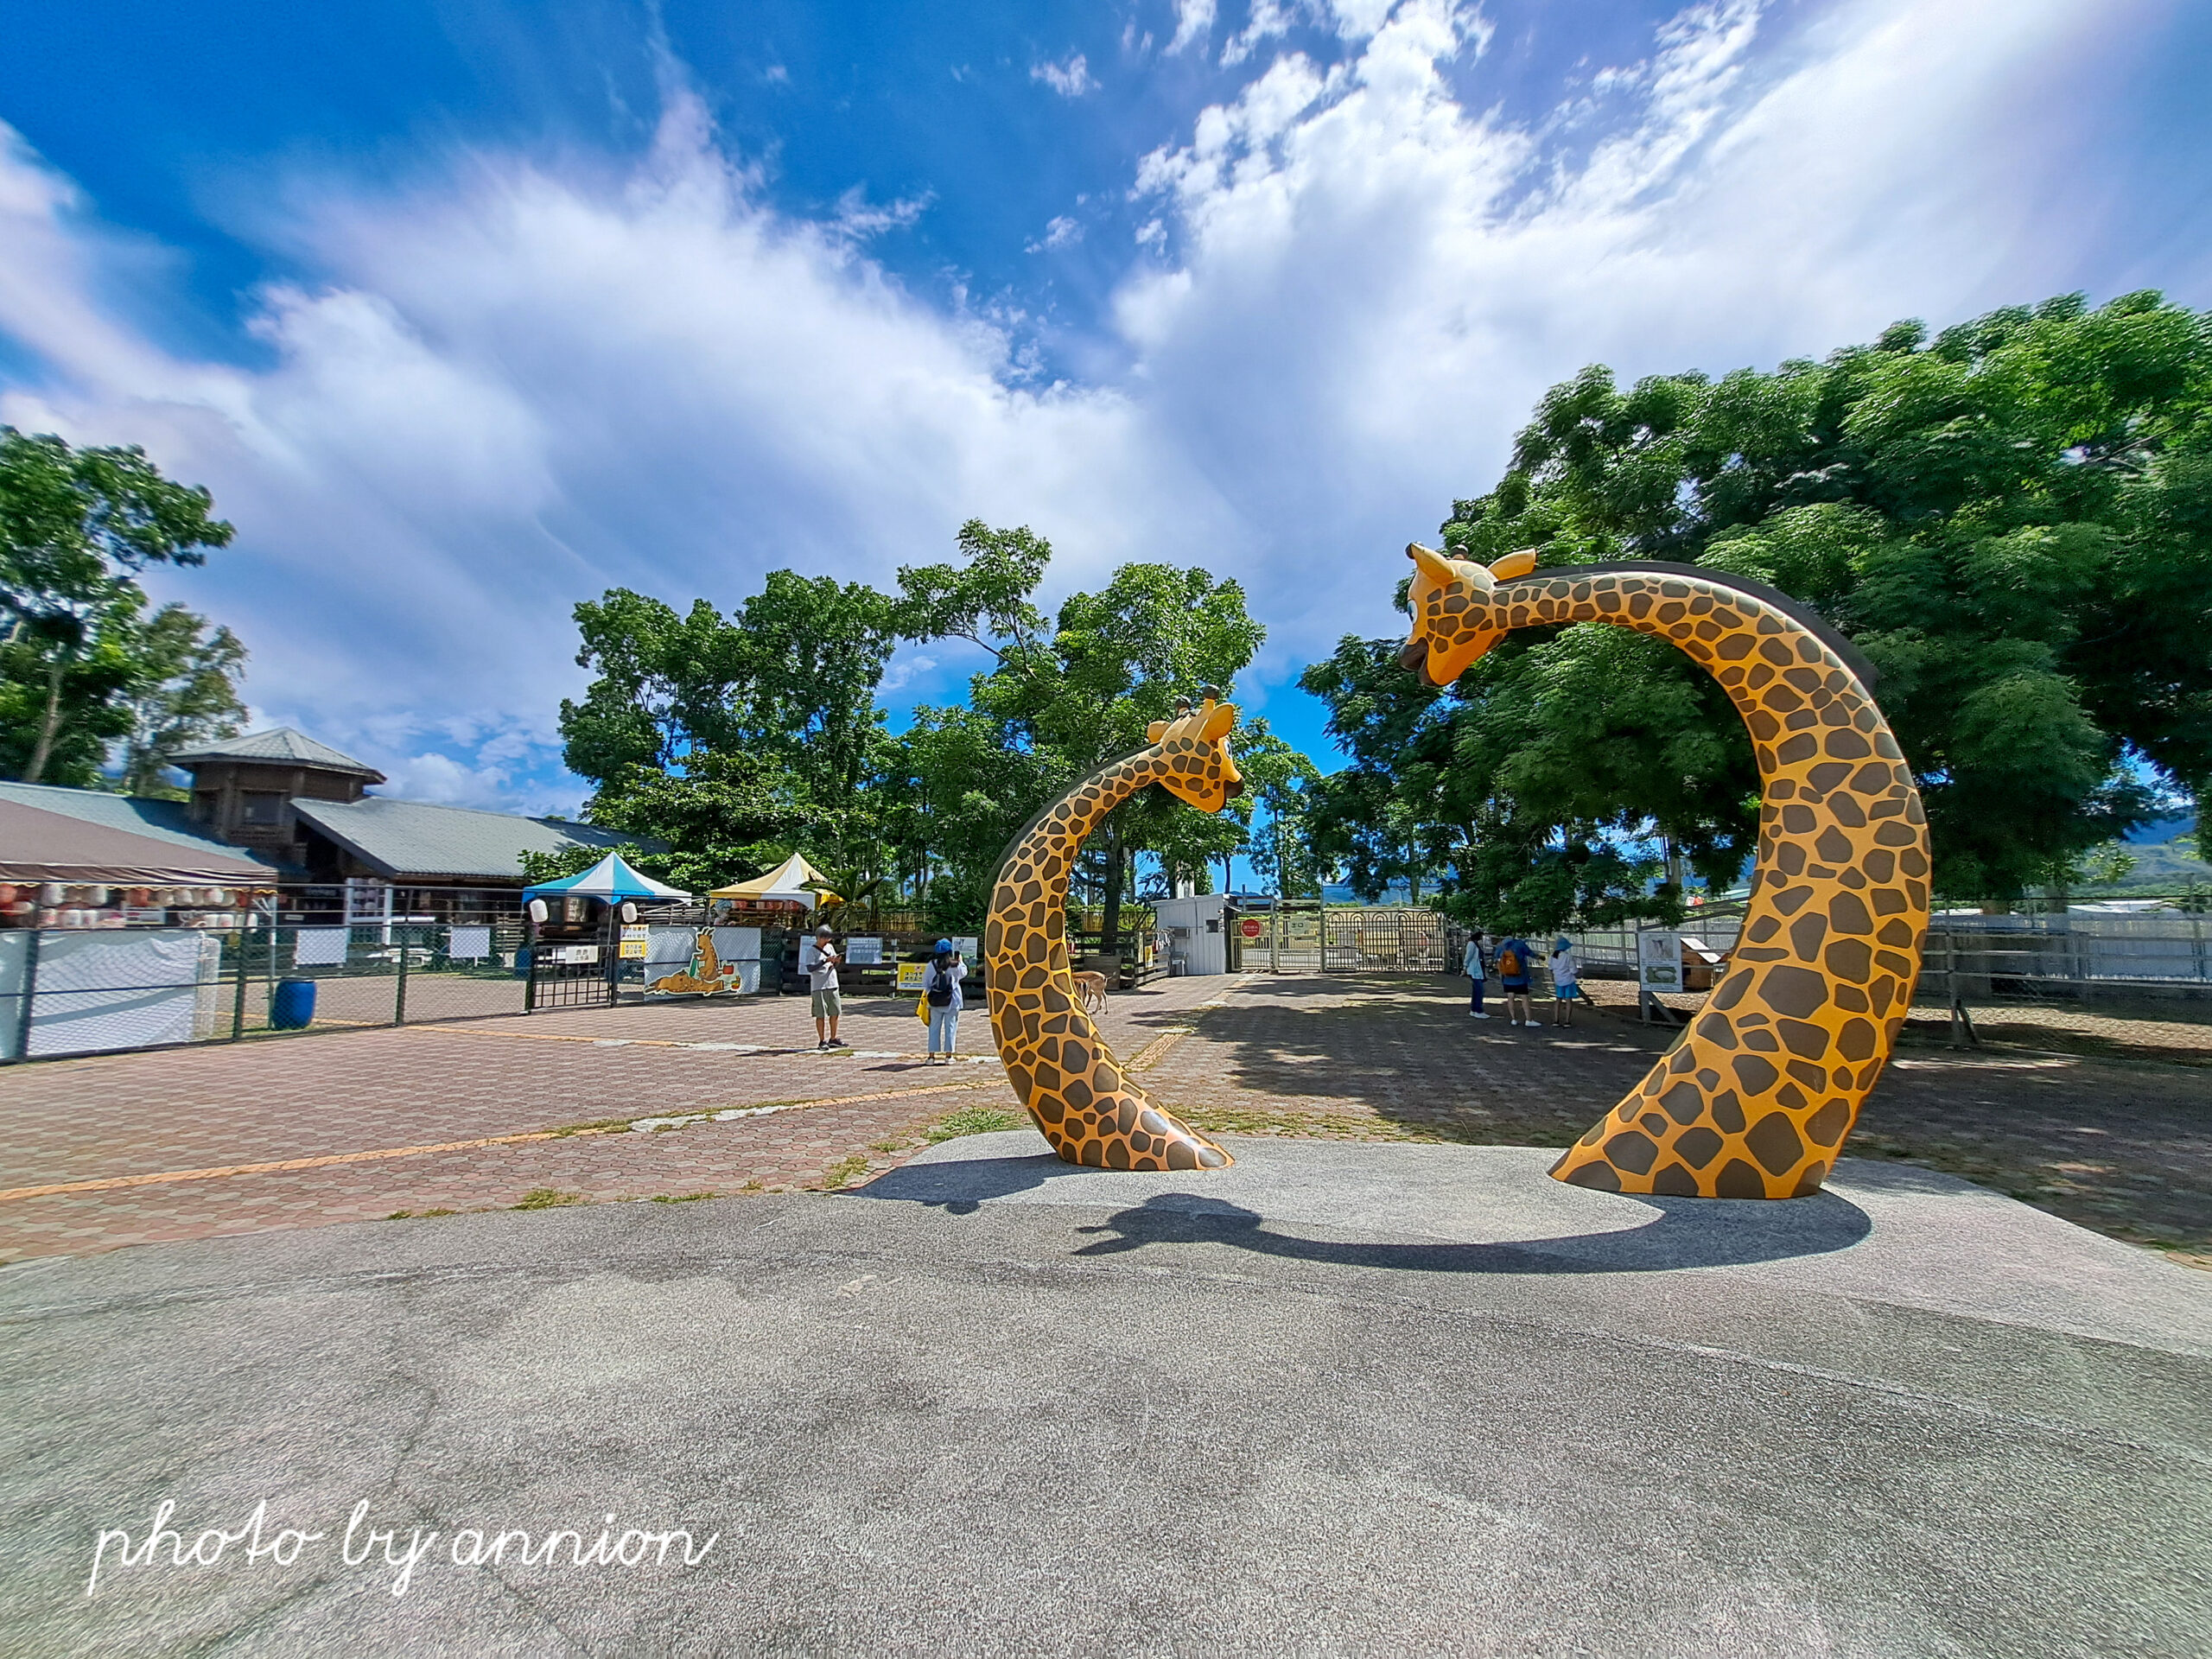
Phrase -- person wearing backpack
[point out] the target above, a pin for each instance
(1513, 967)
(941, 992)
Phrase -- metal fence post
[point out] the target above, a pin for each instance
(400, 994)
(238, 991)
(30, 995)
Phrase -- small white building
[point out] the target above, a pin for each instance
(1198, 932)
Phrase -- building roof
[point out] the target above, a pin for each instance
(37, 845)
(280, 745)
(404, 839)
(168, 821)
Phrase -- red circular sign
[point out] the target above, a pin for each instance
(1250, 927)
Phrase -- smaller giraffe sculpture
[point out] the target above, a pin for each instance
(1075, 1090)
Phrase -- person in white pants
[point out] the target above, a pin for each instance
(941, 989)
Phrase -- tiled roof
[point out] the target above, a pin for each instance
(413, 838)
(279, 746)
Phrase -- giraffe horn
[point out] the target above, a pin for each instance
(1434, 566)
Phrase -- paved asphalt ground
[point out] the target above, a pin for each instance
(1364, 1398)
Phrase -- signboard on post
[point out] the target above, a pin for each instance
(1659, 960)
(910, 975)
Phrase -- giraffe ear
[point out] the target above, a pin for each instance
(1220, 718)
(1152, 733)
(1513, 564)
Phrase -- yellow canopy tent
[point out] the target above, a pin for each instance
(793, 882)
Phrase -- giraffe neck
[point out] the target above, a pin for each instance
(1058, 1064)
(1049, 847)
(1756, 1099)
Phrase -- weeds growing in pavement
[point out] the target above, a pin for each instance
(418, 1215)
(843, 1171)
(687, 1197)
(973, 1120)
(547, 1197)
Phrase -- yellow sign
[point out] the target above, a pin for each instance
(633, 943)
(910, 975)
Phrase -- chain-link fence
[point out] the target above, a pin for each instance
(98, 990)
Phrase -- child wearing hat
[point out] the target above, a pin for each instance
(941, 991)
(1563, 985)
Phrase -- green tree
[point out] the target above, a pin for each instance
(185, 692)
(76, 528)
(2013, 521)
(727, 736)
(1065, 695)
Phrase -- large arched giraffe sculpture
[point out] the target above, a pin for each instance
(1755, 1100)
(1058, 1064)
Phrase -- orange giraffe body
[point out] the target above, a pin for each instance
(1073, 1086)
(1756, 1097)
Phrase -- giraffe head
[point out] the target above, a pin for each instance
(1195, 746)
(1454, 622)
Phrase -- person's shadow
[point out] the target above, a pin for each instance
(1681, 1233)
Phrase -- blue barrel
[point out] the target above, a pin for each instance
(293, 1006)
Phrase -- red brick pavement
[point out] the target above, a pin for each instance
(352, 1092)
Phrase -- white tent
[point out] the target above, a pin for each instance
(788, 883)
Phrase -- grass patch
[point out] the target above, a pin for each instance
(418, 1215)
(600, 1126)
(841, 1172)
(687, 1197)
(973, 1120)
(547, 1197)
(1325, 1126)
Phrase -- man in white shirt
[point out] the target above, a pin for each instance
(823, 979)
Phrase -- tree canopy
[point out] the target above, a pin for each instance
(741, 738)
(86, 661)
(2012, 520)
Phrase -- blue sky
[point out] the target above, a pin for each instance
(465, 312)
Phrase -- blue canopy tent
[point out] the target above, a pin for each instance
(611, 878)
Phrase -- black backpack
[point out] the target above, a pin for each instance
(940, 991)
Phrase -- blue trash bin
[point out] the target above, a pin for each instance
(293, 1006)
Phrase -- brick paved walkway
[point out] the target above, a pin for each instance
(2125, 1148)
(330, 1096)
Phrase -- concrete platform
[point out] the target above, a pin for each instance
(1341, 1398)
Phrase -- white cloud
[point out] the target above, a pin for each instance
(1375, 281)
(1070, 79)
(518, 384)
(1194, 23)
(1060, 231)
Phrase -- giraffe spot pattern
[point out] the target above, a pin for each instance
(1060, 1068)
(1839, 908)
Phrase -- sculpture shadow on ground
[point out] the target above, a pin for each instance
(1682, 1232)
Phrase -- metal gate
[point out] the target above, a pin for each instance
(568, 974)
(1385, 942)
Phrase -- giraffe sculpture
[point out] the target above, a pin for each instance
(1755, 1099)
(1074, 1088)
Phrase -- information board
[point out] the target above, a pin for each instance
(1659, 960)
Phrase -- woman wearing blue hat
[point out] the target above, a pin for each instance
(941, 990)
